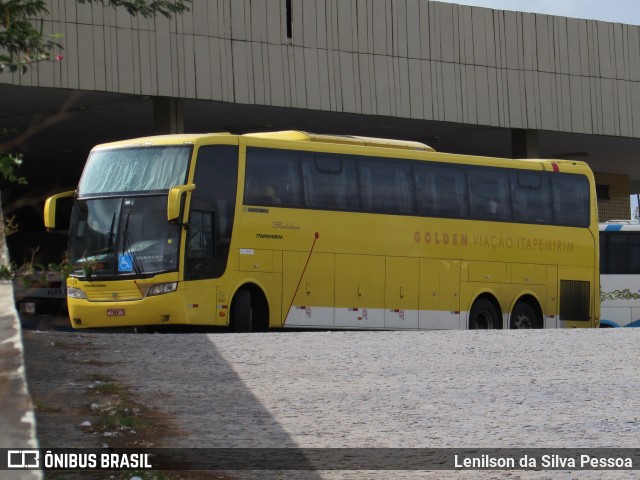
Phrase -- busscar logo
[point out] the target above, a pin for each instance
(23, 459)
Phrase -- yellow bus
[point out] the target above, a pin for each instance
(291, 229)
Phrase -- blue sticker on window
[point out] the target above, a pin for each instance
(125, 263)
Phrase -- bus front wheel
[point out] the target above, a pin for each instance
(484, 315)
(241, 312)
(524, 316)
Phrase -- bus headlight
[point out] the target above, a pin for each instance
(162, 288)
(73, 292)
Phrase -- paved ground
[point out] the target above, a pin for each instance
(542, 389)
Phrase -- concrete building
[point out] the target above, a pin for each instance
(462, 79)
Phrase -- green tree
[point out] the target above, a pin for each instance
(23, 43)
(9, 162)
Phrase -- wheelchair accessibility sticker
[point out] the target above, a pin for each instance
(125, 263)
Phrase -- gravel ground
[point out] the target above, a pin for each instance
(459, 389)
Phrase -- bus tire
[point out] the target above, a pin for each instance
(524, 316)
(484, 315)
(241, 311)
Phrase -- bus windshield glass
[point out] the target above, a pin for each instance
(130, 236)
(139, 169)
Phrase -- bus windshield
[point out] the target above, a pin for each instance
(130, 236)
(139, 169)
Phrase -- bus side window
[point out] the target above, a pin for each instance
(531, 197)
(634, 252)
(404, 190)
(272, 178)
(489, 194)
(327, 179)
(570, 200)
(366, 188)
(619, 255)
(386, 186)
(318, 191)
(309, 188)
(451, 194)
(425, 191)
(441, 191)
(378, 198)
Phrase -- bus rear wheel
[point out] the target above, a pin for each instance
(241, 312)
(524, 316)
(484, 315)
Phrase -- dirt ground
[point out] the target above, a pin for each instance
(79, 402)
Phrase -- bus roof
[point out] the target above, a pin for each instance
(618, 225)
(352, 140)
(171, 139)
(298, 136)
(286, 135)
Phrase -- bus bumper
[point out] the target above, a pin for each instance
(157, 310)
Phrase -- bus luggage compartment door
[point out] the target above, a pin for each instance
(360, 291)
(401, 293)
(313, 302)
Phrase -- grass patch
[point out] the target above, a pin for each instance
(107, 388)
(105, 385)
(119, 419)
(119, 413)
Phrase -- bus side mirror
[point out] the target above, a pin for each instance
(50, 208)
(174, 202)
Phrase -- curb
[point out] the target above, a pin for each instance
(17, 418)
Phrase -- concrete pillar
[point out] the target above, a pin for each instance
(168, 116)
(524, 143)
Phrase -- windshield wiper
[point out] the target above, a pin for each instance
(110, 234)
(126, 246)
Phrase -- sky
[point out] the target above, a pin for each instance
(622, 11)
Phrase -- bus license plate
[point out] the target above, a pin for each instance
(115, 312)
